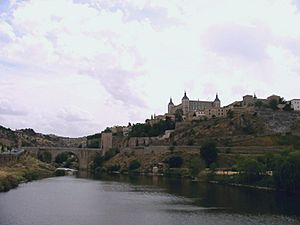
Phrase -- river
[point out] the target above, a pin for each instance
(123, 200)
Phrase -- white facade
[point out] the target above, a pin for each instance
(295, 104)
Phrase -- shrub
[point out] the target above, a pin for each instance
(250, 170)
(287, 173)
(111, 153)
(175, 162)
(134, 165)
(45, 156)
(209, 153)
(195, 166)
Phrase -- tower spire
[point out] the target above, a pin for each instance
(171, 101)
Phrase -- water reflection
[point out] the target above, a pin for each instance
(233, 199)
(131, 200)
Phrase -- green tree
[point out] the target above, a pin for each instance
(209, 153)
(273, 104)
(250, 170)
(195, 166)
(175, 162)
(287, 173)
(178, 115)
(97, 162)
(134, 165)
(45, 156)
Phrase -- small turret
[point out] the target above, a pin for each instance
(185, 97)
(217, 102)
(170, 106)
(185, 104)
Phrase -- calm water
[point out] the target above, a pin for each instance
(138, 201)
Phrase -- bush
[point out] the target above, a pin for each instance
(45, 156)
(287, 173)
(134, 165)
(97, 162)
(250, 170)
(114, 168)
(195, 166)
(111, 153)
(190, 142)
(175, 162)
(147, 130)
(209, 153)
(172, 148)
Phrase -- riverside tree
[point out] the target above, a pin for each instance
(209, 153)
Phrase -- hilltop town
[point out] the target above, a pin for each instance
(189, 123)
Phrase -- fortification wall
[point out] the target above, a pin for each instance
(232, 150)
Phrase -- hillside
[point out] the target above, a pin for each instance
(28, 137)
(265, 128)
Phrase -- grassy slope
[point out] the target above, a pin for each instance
(26, 169)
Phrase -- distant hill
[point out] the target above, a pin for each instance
(28, 137)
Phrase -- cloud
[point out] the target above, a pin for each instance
(297, 3)
(7, 109)
(137, 11)
(238, 41)
(73, 115)
(116, 82)
(125, 58)
(6, 33)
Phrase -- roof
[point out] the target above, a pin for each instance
(185, 96)
(217, 98)
(198, 101)
(171, 102)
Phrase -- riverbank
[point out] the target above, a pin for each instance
(25, 169)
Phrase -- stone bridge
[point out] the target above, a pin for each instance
(85, 155)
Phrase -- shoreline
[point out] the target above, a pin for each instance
(24, 170)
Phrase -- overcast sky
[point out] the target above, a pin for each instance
(74, 67)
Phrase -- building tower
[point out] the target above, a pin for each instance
(185, 104)
(171, 107)
(217, 102)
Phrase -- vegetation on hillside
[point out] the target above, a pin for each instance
(209, 153)
(147, 130)
(23, 170)
(28, 137)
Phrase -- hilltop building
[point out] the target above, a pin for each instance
(295, 104)
(188, 105)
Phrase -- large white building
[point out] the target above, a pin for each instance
(188, 105)
(295, 104)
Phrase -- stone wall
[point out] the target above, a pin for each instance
(228, 150)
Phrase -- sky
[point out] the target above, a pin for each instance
(75, 67)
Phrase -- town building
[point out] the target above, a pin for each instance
(187, 106)
(295, 104)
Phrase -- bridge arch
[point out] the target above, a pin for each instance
(67, 159)
(85, 155)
